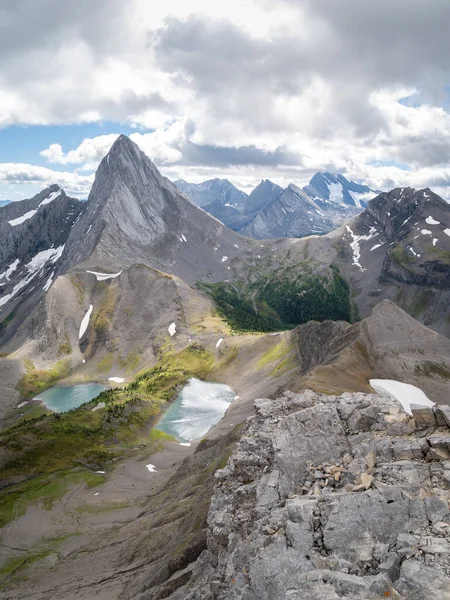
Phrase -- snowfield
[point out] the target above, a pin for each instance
(404, 393)
(104, 276)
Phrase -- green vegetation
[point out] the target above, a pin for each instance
(17, 563)
(46, 489)
(283, 301)
(101, 320)
(440, 255)
(36, 380)
(105, 365)
(65, 347)
(400, 257)
(6, 320)
(54, 442)
(421, 304)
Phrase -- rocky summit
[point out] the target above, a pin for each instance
(329, 497)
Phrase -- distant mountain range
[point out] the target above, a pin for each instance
(271, 211)
(4, 202)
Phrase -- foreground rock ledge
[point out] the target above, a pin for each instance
(330, 497)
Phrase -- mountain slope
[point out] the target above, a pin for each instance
(32, 237)
(135, 215)
(4, 203)
(213, 191)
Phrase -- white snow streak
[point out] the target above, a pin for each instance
(104, 276)
(50, 198)
(376, 246)
(435, 241)
(49, 282)
(219, 342)
(116, 379)
(23, 218)
(354, 245)
(431, 221)
(10, 270)
(85, 322)
(172, 329)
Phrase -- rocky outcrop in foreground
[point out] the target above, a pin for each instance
(329, 497)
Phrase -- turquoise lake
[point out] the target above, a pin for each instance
(63, 399)
(199, 406)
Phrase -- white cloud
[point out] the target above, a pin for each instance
(244, 88)
(18, 174)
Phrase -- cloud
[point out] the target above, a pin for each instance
(18, 174)
(245, 87)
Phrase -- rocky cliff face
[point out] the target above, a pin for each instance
(271, 212)
(330, 497)
(135, 215)
(399, 248)
(32, 238)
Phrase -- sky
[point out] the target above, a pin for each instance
(240, 89)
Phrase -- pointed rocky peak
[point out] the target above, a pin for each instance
(264, 194)
(338, 189)
(126, 160)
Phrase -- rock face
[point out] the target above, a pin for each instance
(32, 237)
(329, 497)
(271, 212)
(399, 248)
(135, 215)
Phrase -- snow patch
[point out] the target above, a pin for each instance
(336, 192)
(151, 468)
(431, 221)
(22, 404)
(435, 241)
(23, 218)
(185, 443)
(354, 245)
(10, 270)
(376, 246)
(49, 282)
(224, 258)
(219, 342)
(405, 393)
(425, 232)
(116, 379)
(447, 232)
(104, 276)
(50, 198)
(85, 322)
(99, 406)
(414, 252)
(172, 329)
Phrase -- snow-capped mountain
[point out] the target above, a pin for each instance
(269, 211)
(325, 187)
(32, 237)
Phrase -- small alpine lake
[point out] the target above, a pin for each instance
(63, 399)
(199, 406)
